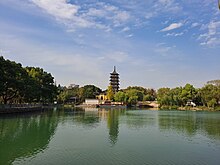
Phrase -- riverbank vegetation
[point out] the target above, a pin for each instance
(25, 84)
(186, 97)
(77, 94)
(208, 96)
(132, 95)
(20, 84)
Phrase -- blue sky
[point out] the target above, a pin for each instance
(153, 43)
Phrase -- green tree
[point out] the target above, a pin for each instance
(88, 91)
(214, 82)
(143, 94)
(120, 96)
(110, 93)
(188, 93)
(149, 95)
(44, 87)
(66, 94)
(212, 103)
(12, 82)
(133, 96)
(163, 96)
(210, 95)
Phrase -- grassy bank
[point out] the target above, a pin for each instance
(198, 108)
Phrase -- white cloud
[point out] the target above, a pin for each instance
(170, 52)
(106, 16)
(212, 37)
(195, 24)
(168, 6)
(64, 12)
(129, 35)
(98, 15)
(122, 16)
(125, 29)
(213, 27)
(175, 34)
(96, 12)
(172, 27)
(211, 42)
(149, 15)
(58, 8)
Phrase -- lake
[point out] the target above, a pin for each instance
(102, 137)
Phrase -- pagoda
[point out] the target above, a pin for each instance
(114, 80)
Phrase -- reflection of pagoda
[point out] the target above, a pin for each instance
(114, 80)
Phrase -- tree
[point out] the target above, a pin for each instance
(44, 87)
(120, 96)
(149, 95)
(214, 82)
(210, 95)
(175, 96)
(110, 93)
(18, 84)
(88, 91)
(143, 94)
(188, 93)
(212, 103)
(12, 82)
(163, 96)
(66, 94)
(133, 96)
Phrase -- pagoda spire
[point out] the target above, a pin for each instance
(114, 70)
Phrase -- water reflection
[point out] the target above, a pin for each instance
(190, 123)
(111, 116)
(113, 125)
(140, 119)
(26, 135)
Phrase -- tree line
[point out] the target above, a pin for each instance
(77, 94)
(207, 96)
(34, 85)
(25, 84)
(130, 95)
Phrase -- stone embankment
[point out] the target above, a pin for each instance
(20, 108)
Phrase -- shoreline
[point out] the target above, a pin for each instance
(199, 108)
(11, 109)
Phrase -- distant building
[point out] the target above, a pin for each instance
(72, 100)
(102, 96)
(114, 80)
(91, 101)
(71, 86)
(190, 103)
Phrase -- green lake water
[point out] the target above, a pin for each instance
(92, 137)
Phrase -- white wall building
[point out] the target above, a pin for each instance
(91, 101)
